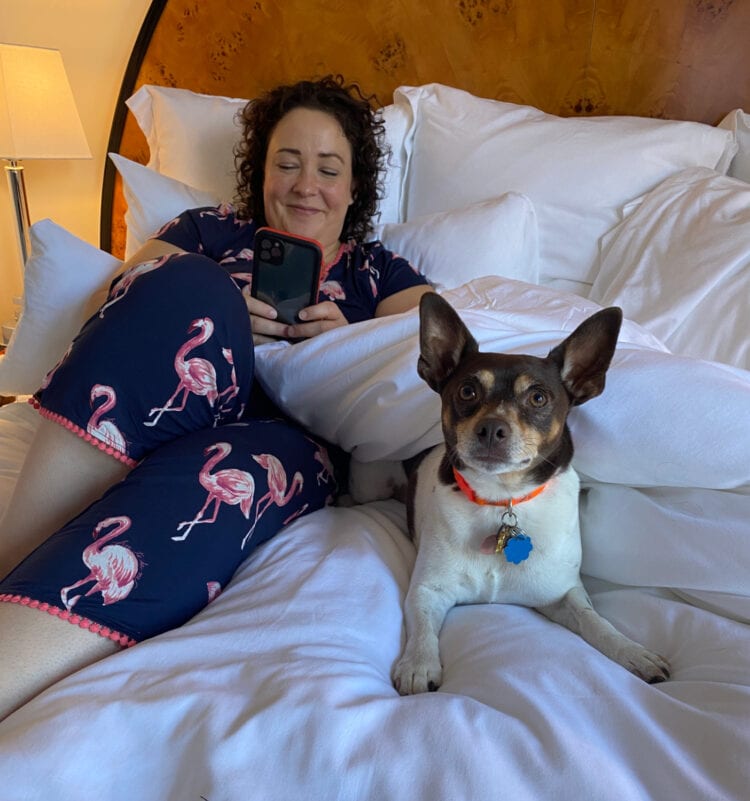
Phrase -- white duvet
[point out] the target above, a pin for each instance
(280, 689)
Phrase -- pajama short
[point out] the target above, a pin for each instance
(210, 481)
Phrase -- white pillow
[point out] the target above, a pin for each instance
(680, 266)
(495, 237)
(62, 274)
(738, 122)
(154, 199)
(191, 138)
(577, 172)
(397, 120)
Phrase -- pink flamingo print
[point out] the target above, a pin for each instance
(114, 569)
(213, 590)
(321, 455)
(230, 486)
(296, 514)
(246, 254)
(120, 289)
(332, 290)
(374, 274)
(105, 430)
(196, 375)
(221, 212)
(233, 389)
(277, 488)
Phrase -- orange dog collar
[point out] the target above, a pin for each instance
(474, 498)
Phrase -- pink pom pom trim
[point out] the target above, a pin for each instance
(76, 620)
(78, 431)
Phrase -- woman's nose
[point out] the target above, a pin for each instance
(305, 183)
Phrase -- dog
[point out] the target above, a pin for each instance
(494, 510)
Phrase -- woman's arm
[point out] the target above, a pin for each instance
(401, 301)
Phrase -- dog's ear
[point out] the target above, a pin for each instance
(583, 358)
(443, 340)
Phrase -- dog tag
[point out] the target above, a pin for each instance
(518, 547)
(512, 540)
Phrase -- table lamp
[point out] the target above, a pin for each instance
(38, 120)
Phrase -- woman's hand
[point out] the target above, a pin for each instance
(314, 320)
(263, 321)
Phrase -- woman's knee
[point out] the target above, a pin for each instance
(169, 353)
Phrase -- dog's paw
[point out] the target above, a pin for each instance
(413, 675)
(647, 665)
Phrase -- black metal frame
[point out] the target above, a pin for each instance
(118, 120)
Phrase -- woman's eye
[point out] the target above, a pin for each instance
(467, 392)
(330, 173)
(538, 398)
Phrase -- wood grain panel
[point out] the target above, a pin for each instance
(680, 59)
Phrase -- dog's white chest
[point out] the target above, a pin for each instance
(452, 530)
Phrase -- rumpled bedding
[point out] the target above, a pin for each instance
(664, 453)
(280, 689)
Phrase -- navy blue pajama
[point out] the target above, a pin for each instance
(161, 378)
(209, 483)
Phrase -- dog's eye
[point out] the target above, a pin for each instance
(538, 398)
(467, 392)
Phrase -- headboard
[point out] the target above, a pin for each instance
(676, 59)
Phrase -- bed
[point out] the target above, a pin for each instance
(543, 164)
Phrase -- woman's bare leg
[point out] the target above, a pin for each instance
(61, 476)
(45, 650)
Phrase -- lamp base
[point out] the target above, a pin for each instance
(9, 326)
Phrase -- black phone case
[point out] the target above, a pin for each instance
(286, 272)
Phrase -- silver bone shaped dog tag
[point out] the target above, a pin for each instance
(512, 541)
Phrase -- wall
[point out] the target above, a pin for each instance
(95, 38)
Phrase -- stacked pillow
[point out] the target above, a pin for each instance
(577, 172)
(679, 264)
(474, 187)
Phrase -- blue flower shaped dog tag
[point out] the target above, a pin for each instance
(518, 547)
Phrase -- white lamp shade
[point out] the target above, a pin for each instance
(38, 116)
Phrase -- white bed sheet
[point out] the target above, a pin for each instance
(280, 689)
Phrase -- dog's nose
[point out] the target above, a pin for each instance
(491, 430)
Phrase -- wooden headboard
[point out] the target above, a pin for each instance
(676, 59)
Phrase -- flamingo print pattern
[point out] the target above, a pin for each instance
(326, 473)
(332, 290)
(231, 486)
(277, 488)
(105, 430)
(113, 568)
(120, 289)
(230, 393)
(197, 375)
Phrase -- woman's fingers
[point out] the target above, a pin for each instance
(316, 319)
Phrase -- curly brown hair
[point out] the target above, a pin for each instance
(361, 123)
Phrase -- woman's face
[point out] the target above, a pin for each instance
(307, 183)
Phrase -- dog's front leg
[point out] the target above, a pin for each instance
(575, 612)
(419, 668)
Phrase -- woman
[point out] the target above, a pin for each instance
(151, 464)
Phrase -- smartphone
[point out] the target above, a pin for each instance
(286, 272)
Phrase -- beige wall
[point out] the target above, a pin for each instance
(95, 38)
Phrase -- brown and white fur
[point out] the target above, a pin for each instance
(504, 423)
